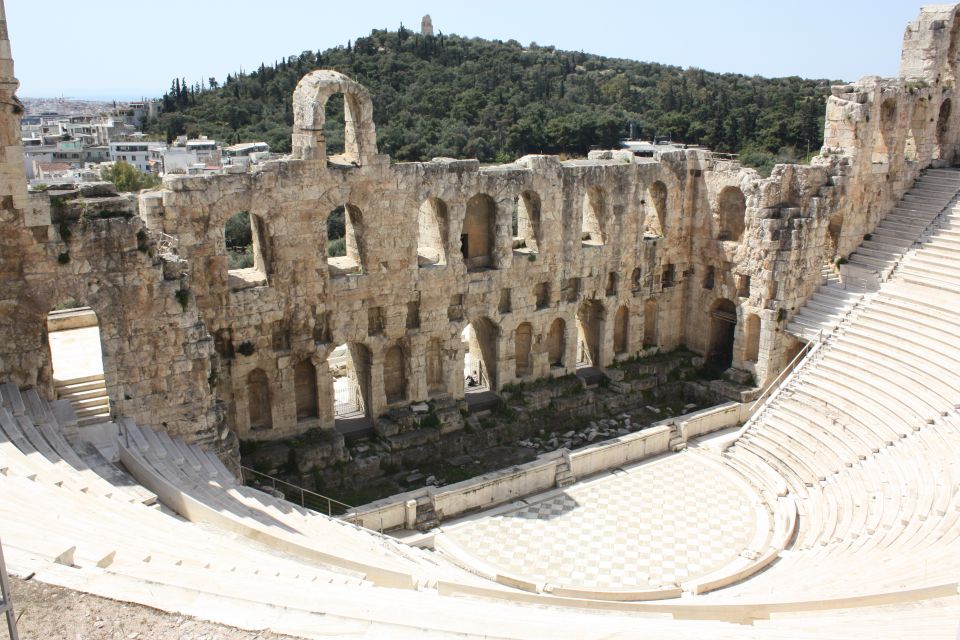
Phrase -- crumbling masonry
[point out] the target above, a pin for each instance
(608, 258)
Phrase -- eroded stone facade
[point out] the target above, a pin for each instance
(609, 258)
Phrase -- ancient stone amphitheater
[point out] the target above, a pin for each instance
(833, 510)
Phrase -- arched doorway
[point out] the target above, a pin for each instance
(589, 332)
(435, 378)
(522, 340)
(480, 355)
(557, 342)
(259, 406)
(723, 325)
(621, 331)
(943, 126)
(650, 323)
(305, 387)
(76, 358)
(394, 375)
(350, 369)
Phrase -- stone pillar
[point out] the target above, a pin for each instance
(378, 397)
(325, 398)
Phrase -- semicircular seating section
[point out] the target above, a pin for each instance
(856, 458)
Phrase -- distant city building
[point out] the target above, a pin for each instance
(426, 26)
(245, 153)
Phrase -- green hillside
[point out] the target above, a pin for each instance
(466, 97)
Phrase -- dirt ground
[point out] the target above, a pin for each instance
(47, 612)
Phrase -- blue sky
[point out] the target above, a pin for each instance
(103, 49)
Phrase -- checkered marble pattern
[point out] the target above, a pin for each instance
(657, 524)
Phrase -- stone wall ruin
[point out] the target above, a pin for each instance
(550, 263)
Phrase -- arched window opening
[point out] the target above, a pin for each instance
(655, 211)
(244, 236)
(345, 242)
(621, 331)
(526, 232)
(883, 146)
(522, 340)
(259, 408)
(305, 386)
(557, 342)
(76, 358)
(395, 375)
(593, 231)
(432, 233)
(335, 125)
(477, 240)
(731, 208)
(636, 279)
(613, 283)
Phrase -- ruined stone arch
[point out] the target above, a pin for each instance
(305, 389)
(594, 217)
(636, 279)
(478, 235)
(655, 211)
(885, 141)
(621, 330)
(259, 401)
(350, 368)
(557, 342)
(731, 212)
(528, 220)
(433, 228)
(309, 116)
(395, 374)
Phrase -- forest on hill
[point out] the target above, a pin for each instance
(446, 95)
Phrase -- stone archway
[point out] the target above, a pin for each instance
(309, 115)
(478, 236)
(557, 342)
(480, 354)
(723, 326)
(590, 318)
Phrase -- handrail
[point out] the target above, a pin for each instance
(807, 348)
(6, 602)
(341, 507)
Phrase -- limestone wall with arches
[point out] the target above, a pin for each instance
(524, 270)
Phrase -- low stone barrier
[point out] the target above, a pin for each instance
(698, 423)
(505, 485)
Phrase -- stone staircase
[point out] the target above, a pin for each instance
(87, 396)
(877, 256)
(866, 433)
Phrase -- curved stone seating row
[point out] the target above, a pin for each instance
(867, 438)
(206, 492)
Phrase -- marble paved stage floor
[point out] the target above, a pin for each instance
(656, 523)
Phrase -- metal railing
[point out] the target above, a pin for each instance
(808, 349)
(6, 603)
(307, 499)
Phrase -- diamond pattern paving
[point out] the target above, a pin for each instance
(658, 524)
